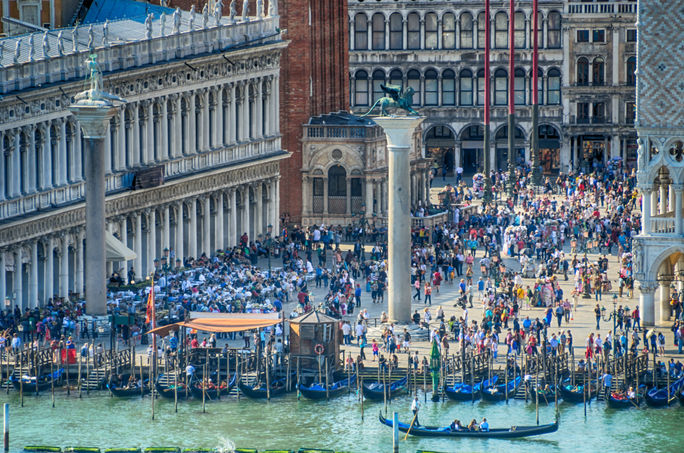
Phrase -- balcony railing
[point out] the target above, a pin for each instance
(602, 8)
(663, 225)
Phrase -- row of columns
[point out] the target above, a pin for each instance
(659, 201)
(49, 154)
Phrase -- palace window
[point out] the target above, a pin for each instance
(448, 31)
(413, 81)
(466, 36)
(481, 30)
(361, 88)
(465, 87)
(554, 30)
(540, 86)
(360, 32)
(413, 31)
(448, 87)
(500, 30)
(598, 35)
(582, 72)
(598, 71)
(582, 35)
(631, 71)
(431, 92)
(431, 31)
(480, 87)
(378, 79)
(500, 87)
(396, 32)
(378, 31)
(519, 86)
(519, 30)
(554, 78)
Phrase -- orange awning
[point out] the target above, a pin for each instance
(217, 325)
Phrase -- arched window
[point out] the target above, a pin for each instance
(481, 30)
(378, 79)
(554, 80)
(396, 31)
(466, 34)
(501, 30)
(480, 87)
(598, 71)
(337, 190)
(540, 30)
(360, 32)
(431, 92)
(465, 87)
(519, 30)
(396, 77)
(413, 31)
(500, 87)
(413, 81)
(361, 88)
(582, 72)
(431, 31)
(448, 31)
(448, 87)
(553, 24)
(540, 86)
(378, 31)
(519, 86)
(631, 71)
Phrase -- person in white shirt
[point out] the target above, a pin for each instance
(415, 407)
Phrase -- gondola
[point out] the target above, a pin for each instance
(547, 395)
(277, 388)
(43, 383)
(464, 392)
(658, 397)
(128, 391)
(376, 390)
(620, 401)
(496, 393)
(316, 391)
(575, 393)
(212, 393)
(494, 433)
(169, 392)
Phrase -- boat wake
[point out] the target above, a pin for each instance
(225, 446)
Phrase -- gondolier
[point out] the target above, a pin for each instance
(415, 407)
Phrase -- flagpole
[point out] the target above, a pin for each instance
(152, 314)
(486, 155)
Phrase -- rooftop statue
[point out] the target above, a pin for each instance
(176, 21)
(205, 16)
(395, 97)
(191, 23)
(233, 10)
(245, 5)
(218, 12)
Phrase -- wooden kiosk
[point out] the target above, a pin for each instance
(315, 335)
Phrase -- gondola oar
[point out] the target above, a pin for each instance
(411, 425)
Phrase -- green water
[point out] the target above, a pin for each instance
(101, 421)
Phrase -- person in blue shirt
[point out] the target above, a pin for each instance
(484, 426)
(527, 324)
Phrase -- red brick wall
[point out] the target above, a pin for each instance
(315, 62)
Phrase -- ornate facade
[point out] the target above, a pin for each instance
(344, 175)
(192, 159)
(436, 47)
(659, 248)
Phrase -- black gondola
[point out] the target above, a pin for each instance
(497, 393)
(547, 394)
(658, 397)
(376, 390)
(494, 433)
(316, 391)
(212, 393)
(168, 391)
(575, 393)
(620, 401)
(129, 391)
(464, 392)
(277, 388)
(43, 383)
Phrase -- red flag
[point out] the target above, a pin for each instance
(150, 315)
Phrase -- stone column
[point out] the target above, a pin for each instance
(134, 144)
(192, 232)
(219, 222)
(646, 208)
(149, 136)
(663, 308)
(164, 144)
(178, 126)
(79, 264)
(123, 236)
(3, 281)
(93, 116)
(31, 174)
(233, 113)
(368, 187)
(232, 228)
(218, 115)
(166, 234)
(677, 188)
(206, 225)
(646, 302)
(62, 153)
(246, 207)
(259, 214)
(49, 270)
(276, 93)
(64, 268)
(109, 159)
(258, 104)
(325, 196)
(138, 245)
(399, 133)
(18, 278)
(33, 285)
(180, 232)
(47, 158)
(205, 121)
(192, 127)
(151, 240)
(662, 207)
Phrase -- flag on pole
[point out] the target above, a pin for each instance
(150, 315)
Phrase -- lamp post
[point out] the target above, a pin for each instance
(612, 316)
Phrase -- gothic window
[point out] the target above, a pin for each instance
(378, 79)
(378, 31)
(480, 30)
(431, 31)
(519, 86)
(360, 32)
(598, 71)
(465, 87)
(519, 30)
(500, 87)
(631, 71)
(396, 77)
(582, 72)
(630, 112)
(413, 81)
(501, 30)
(540, 30)
(431, 92)
(361, 88)
(598, 112)
(448, 87)
(480, 87)
(413, 31)
(553, 24)
(466, 33)
(554, 80)
(540, 86)
(396, 32)
(448, 31)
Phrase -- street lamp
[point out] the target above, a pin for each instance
(612, 316)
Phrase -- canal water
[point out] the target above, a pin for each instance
(101, 421)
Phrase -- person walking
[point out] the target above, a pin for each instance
(416, 285)
(428, 293)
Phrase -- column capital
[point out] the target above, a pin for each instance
(648, 286)
(678, 186)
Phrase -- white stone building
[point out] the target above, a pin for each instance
(659, 249)
(436, 47)
(192, 159)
